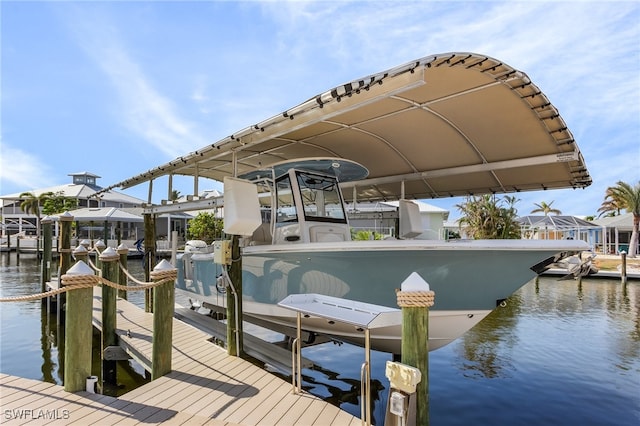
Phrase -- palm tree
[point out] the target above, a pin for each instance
(545, 208)
(31, 205)
(609, 206)
(624, 196)
(488, 219)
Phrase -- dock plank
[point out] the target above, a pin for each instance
(205, 387)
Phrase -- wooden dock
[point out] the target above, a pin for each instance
(205, 386)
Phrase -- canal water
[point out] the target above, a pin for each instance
(560, 352)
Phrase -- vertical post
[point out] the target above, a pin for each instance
(99, 246)
(47, 236)
(234, 301)
(110, 271)
(163, 307)
(77, 349)
(123, 252)
(65, 264)
(81, 253)
(105, 232)
(366, 395)
(415, 298)
(623, 268)
(149, 255)
(174, 247)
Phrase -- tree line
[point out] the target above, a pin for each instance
(491, 217)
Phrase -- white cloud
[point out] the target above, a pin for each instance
(21, 171)
(143, 109)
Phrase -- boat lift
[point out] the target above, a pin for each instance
(363, 316)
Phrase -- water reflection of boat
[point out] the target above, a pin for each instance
(446, 125)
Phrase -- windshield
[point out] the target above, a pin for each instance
(321, 198)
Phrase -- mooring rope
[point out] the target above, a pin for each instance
(92, 265)
(131, 277)
(74, 282)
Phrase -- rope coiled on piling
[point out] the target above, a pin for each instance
(415, 299)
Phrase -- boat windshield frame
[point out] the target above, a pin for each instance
(316, 198)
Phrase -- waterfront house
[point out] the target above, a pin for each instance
(614, 233)
(552, 227)
(94, 210)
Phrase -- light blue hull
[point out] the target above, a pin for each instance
(469, 278)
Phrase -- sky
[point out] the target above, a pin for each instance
(117, 88)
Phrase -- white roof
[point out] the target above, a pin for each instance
(101, 214)
(624, 221)
(78, 192)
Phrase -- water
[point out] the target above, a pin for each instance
(559, 353)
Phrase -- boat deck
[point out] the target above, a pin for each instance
(205, 386)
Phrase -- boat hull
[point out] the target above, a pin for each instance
(469, 278)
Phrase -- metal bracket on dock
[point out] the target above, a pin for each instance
(115, 353)
(364, 316)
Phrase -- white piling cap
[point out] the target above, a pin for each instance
(414, 282)
(66, 216)
(123, 246)
(80, 268)
(100, 244)
(109, 252)
(80, 250)
(85, 243)
(163, 265)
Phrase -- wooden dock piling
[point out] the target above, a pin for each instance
(78, 329)
(65, 263)
(123, 252)
(415, 298)
(47, 245)
(149, 256)
(163, 307)
(111, 272)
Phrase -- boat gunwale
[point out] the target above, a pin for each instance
(423, 245)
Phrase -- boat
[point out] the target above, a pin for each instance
(307, 249)
(453, 124)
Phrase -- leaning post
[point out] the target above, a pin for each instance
(123, 252)
(415, 298)
(163, 308)
(78, 328)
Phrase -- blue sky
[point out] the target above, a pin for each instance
(116, 88)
